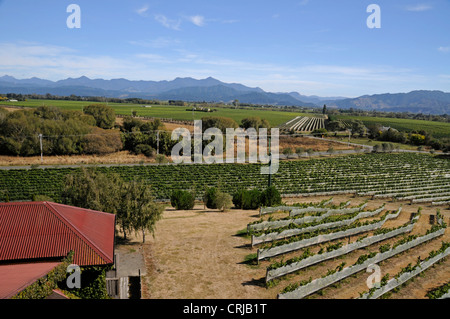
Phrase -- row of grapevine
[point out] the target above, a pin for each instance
(303, 124)
(293, 227)
(407, 273)
(280, 269)
(298, 263)
(316, 207)
(298, 216)
(363, 174)
(322, 236)
(302, 290)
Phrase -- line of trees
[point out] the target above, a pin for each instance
(132, 202)
(65, 132)
(418, 138)
(93, 131)
(215, 198)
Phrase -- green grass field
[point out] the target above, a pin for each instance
(437, 129)
(275, 118)
(369, 142)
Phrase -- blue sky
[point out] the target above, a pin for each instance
(314, 47)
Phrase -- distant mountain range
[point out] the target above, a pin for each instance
(213, 90)
(426, 102)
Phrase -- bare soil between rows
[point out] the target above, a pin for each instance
(197, 254)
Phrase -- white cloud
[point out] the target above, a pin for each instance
(25, 60)
(158, 43)
(143, 10)
(153, 58)
(444, 49)
(229, 21)
(55, 62)
(168, 23)
(198, 20)
(419, 7)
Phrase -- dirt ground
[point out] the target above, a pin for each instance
(197, 254)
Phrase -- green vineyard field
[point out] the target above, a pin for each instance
(368, 174)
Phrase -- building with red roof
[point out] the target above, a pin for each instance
(36, 236)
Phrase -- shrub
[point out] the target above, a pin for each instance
(223, 201)
(145, 149)
(210, 197)
(320, 131)
(102, 142)
(181, 199)
(105, 116)
(222, 123)
(251, 199)
(254, 122)
(270, 197)
(238, 198)
(161, 159)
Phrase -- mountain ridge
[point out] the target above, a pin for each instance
(213, 90)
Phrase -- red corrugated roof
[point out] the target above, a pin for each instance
(16, 277)
(30, 230)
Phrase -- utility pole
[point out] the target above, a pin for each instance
(40, 142)
(270, 161)
(157, 142)
(349, 133)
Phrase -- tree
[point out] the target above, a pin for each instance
(392, 135)
(270, 197)
(139, 203)
(254, 122)
(222, 123)
(105, 116)
(249, 199)
(181, 199)
(142, 137)
(335, 126)
(374, 130)
(132, 202)
(223, 201)
(93, 190)
(357, 127)
(102, 142)
(19, 131)
(210, 197)
(238, 198)
(324, 109)
(377, 148)
(320, 131)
